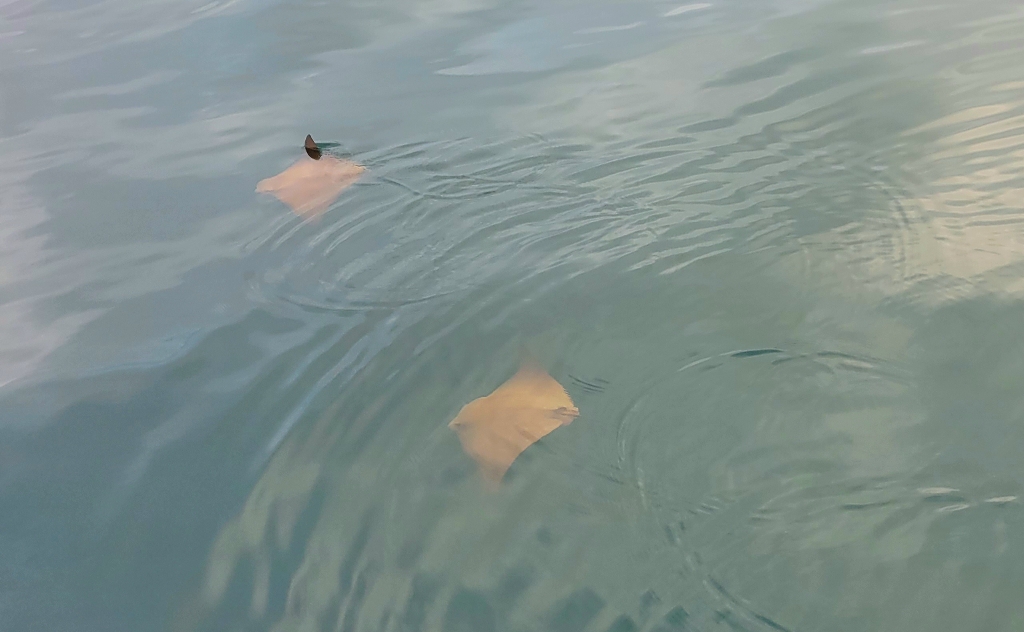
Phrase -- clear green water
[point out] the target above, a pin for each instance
(774, 250)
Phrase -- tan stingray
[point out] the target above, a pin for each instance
(495, 429)
(311, 184)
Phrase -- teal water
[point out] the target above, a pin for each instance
(773, 250)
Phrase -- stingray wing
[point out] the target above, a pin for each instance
(532, 388)
(310, 186)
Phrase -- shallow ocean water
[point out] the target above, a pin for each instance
(774, 252)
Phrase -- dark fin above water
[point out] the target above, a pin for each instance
(311, 148)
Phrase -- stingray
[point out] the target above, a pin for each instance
(496, 429)
(311, 184)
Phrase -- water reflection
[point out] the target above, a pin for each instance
(584, 32)
(973, 203)
(948, 223)
(26, 336)
(956, 223)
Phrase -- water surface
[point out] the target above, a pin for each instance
(773, 250)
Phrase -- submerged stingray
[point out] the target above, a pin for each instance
(495, 429)
(311, 184)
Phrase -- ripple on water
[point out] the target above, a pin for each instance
(429, 220)
(831, 484)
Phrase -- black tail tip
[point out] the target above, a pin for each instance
(311, 148)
